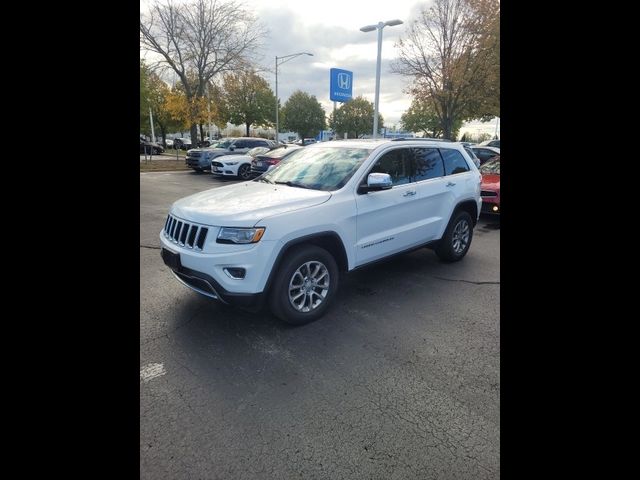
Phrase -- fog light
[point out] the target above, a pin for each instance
(235, 273)
(495, 208)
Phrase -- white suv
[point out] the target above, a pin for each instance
(285, 237)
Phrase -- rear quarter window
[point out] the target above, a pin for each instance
(454, 162)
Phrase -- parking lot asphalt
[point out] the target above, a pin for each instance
(400, 380)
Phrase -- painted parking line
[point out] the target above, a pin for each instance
(151, 371)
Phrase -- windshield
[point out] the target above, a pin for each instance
(492, 167)
(257, 151)
(224, 143)
(325, 169)
(281, 152)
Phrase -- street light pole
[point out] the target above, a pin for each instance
(284, 59)
(379, 27)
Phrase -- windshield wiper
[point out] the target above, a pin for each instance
(294, 184)
(265, 180)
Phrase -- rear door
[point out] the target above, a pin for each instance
(431, 193)
(460, 181)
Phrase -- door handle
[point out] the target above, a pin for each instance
(408, 194)
(450, 184)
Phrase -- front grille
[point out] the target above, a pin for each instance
(488, 193)
(216, 164)
(184, 233)
(195, 154)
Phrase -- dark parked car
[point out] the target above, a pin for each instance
(485, 153)
(491, 143)
(490, 186)
(182, 143)
(150, 147)
(200, 158)
(263, 162)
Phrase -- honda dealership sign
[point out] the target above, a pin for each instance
(341, 85)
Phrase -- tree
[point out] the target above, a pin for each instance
(188, 112)
(248, 99)
(303, 114)
(452, 52)
(421, 117)
(199, 40)
(354, 118)
(144, 96)
(158, 96)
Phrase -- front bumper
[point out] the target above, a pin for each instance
(197, 163)
(206, 285)
(204, 272)
(490, 205)
(224, 171)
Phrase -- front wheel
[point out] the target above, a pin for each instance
(305, 285)
(244, 172)
(457, 238)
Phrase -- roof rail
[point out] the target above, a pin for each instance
(420, 138)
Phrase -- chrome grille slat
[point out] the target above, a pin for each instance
(179, 234)
(185, 234)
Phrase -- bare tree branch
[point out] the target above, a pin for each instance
(451, 52)
(200, 40)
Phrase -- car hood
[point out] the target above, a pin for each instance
(245, 204)
(234, 158)
(205, 149)
(490, 182)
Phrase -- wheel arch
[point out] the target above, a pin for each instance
(469, 206)
(328, 240)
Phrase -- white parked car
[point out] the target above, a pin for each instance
(236, 165)
(284, 238)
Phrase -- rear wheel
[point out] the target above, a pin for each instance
(305, 285)
(457, 238)
(244, 172)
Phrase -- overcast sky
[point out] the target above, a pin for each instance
(330, 29)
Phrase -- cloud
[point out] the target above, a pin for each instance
(333, 47)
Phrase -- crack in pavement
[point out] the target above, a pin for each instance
(150, 246)
(466, 281)
(174, 329)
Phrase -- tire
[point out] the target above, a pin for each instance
(197, 170)
(305, 267)
(456, 240)
(244, 172)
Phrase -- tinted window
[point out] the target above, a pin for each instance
(240, 144)
(484, 154)
(454, 162)
(396, 164)
(427, 163)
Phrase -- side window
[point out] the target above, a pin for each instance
(240, 144)
(396, 164)
(454, 162)
(427, 163)
(260, 143)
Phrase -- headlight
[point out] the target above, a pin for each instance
(240, 235)
(231, 163)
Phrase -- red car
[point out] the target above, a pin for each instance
(490, 187)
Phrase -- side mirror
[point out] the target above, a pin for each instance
(231, 148)
(376, 182)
